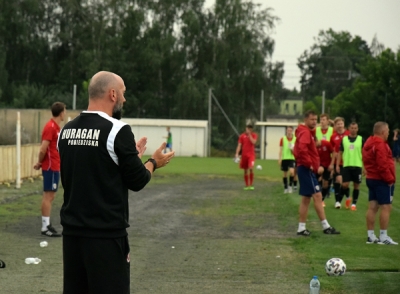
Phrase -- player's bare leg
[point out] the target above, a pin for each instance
(251, 179)
(373, 208)
(303, 212)
(303, 209)
(385, 215)
(246, 179)
(384, 224)
(371, 213)
(317, 197)
(47, 200)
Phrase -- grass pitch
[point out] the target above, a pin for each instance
(247, 238)
(370, 268)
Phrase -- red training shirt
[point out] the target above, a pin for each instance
(378, 160)
(305, 150)
(247, 146)
(337, 138)
(50, 133)
(325, 153)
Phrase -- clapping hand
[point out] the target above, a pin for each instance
(162, 158)
(141, 146)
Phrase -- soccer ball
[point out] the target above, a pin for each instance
(259, 167)
(335, 267)
(236, 160)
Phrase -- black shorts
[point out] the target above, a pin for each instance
(335, 174)
(326, 175)
(94, 265)
(287, 164)
(352, 174)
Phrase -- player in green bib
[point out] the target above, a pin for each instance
(286, 159)
(351, 154)
(324, 131)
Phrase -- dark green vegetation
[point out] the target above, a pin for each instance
(361, 81)
(194, 230)
(171, 52)
(168, 52)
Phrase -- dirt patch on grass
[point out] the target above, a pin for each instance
(185, 237)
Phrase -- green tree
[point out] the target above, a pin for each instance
(332, 63)
(168, 52)
(375, 94)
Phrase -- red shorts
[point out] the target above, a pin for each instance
(247, 162)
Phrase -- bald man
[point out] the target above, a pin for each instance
(381, 176)
(100, 162)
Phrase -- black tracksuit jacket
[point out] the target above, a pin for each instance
(99, 164)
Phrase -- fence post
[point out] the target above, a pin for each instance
(18, 155)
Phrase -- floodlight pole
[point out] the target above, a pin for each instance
(209, 120)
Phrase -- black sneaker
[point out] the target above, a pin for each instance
(51, 232)
(52, 229)
(373, 240)
(331, 231)
(305, 233)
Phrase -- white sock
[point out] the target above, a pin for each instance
(325, 224)
(302, 227)
(45, 222)
(383, 235)
(371, 234)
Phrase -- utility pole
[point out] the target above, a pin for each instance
(385, 104)
(323, 102)
(262, 106)
(209, 120)
(74, 99)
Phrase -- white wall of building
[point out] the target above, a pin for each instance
(271, 134)
(189, 137)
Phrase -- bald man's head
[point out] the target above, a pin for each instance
(379, 127)
(100, 83)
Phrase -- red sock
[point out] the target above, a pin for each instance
(246, 179)
(251, 178)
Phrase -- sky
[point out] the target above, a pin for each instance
(301, 20)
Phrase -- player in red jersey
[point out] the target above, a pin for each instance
(246, 143)
(336, 141)
(308, 164)
(49, 162)
(381, 178)
(325, 151)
